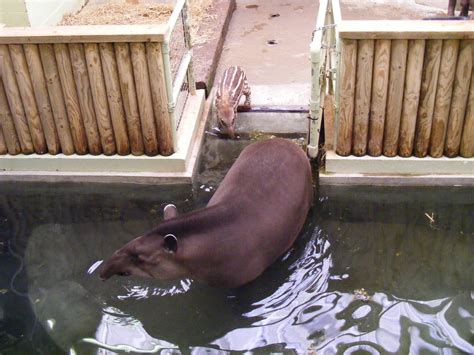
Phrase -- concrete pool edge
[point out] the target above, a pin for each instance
(180, 166)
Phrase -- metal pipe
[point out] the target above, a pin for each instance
(181, 75)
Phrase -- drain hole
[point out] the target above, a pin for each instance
(274, 15)
(272, 42)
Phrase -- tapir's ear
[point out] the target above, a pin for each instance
(170, 211)
(170, 243)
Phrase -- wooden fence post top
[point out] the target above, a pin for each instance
(406, 29)
(83, 34)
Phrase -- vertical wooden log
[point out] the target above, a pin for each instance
(411, 96)
(379, 96)
(109, 66)
(42, 99)
(396, 82)
(14, 101)
(129, 96)
(28, 98)
(79, 68)
(346, 96)
(365, 61)
(429, 83)
(459, 99)
(444, 91)
(3, 144)
(70, 96)
(145, 103)
(467, 139)
(160, 98)
(7, 124)
(99, 96)
(56, 98)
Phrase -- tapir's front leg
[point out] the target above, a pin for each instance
(451, 7)
(464, 8)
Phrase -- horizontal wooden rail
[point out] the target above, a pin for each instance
(395, 29)
(83, 34)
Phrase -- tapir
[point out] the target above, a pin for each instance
(253, 218)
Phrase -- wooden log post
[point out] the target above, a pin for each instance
(56, 98)
(99, 96)
(396, 84)
(25, 87)
(7, 124)
(429, 83)
(467, 139)
(449, 56)
(42, 99)
(160, 98)
(3, 144)
(346, 96)
(109, 66)
(411, 96)
(365, 61)
(462, 81)
(379, 96)
(84, 93)
(70, 97)
(14, 100)
(145, 103)
(129, 96)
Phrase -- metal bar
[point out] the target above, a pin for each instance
(187, 38)
(174, 19)
(181, 75)
(169, 90)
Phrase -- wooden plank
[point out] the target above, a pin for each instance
(363, 89)
(7, 124)
(42, 99)
(467, 139)
(56, 98)
(129, 96)
(160, 98)
(99, 97)
(444, 91)
(429, 83)
(109, 66)
(14, 100)
(145, 103)
(462, 81)
(346, 96)
(70, 98)
(28, 98)
(411, 96)
(83, 34)
(378, 103)
(405, 29)
(84, 93)
(396, 83)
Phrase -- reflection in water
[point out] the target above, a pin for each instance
(374, 270)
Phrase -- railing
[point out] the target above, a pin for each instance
(404, 88)
(94, 89)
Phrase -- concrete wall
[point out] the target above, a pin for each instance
(36, 12)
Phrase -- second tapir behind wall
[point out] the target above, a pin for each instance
(230, 89)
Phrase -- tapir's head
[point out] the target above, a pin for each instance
(226, 119)
(151, 255)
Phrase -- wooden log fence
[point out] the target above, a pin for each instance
(406, 88)
(89, 89)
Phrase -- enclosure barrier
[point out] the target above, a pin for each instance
(402, 88)
(94, 89)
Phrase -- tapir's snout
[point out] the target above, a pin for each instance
(117, 264)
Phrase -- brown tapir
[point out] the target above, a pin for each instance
(253, 218)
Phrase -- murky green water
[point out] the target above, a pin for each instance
(375, 270)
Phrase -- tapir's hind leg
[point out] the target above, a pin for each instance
(170, 211)
(247, 93)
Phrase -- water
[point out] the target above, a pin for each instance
(375, 270)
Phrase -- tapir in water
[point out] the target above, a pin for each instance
(253, 218)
